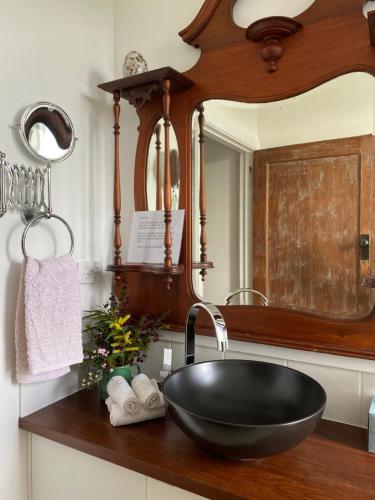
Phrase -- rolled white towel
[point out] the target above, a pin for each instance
(123, 395)
(117, 417)
(146, 391)
(155, 384)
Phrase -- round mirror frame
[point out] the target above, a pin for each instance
(22, 129)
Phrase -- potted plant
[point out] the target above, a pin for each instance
(116, 343)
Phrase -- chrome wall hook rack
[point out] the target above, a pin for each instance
(24, 188)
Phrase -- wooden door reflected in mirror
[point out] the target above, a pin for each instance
(290, 199)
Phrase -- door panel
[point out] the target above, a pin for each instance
(311, 204)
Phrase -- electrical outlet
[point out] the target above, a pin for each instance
(88, 271)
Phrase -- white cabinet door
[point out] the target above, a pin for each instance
(157, 490)
(62, 473)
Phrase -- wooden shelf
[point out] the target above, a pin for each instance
(138, 89)
(271, 31)
(157, 269)
(332, 462)
(202, 265)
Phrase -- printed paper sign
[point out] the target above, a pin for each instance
(146, 244)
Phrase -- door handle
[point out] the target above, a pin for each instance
(364, 246)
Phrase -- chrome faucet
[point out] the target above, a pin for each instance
(219, 324)
(242, 290)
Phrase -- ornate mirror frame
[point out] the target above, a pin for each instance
(260, 64)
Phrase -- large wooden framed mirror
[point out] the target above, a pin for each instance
(276, 176)
(305, 211)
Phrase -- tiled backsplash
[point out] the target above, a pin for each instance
(349, 382)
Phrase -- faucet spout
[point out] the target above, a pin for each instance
(219, 325)
(229, 297)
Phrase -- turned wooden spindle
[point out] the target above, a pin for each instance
(167, 184)
(117, 184)
(202, 191)
(159, 199)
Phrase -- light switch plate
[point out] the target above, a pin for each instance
(88, 271)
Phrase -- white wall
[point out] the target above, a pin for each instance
(342, 107)
(247, 11)
(349, 382)
(223, 177)
(59, 52)
(236, 119)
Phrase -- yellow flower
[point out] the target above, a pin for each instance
(117, 325)
(127, 338)
(124, 319)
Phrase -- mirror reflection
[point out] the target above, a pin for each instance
(288, 192)
(155, 168)
(47, 132)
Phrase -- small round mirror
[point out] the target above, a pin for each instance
(47, 132)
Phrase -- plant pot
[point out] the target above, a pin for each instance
(122, 371)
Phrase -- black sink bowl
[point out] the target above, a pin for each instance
(244, 409)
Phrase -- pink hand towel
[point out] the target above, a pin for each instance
(22, 366)
(48, 323)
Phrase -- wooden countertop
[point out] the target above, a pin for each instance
(332, 463)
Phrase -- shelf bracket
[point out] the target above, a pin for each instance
(270, 31)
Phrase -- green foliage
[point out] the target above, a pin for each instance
(114, 338)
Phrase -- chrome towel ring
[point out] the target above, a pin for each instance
(46, 216)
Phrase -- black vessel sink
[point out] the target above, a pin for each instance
(244, 409)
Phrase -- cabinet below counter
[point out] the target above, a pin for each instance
(332, 462)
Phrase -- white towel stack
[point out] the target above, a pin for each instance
(123, 395)
(138, 403)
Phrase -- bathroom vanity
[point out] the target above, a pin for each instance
(279, 63)
(332, 462)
